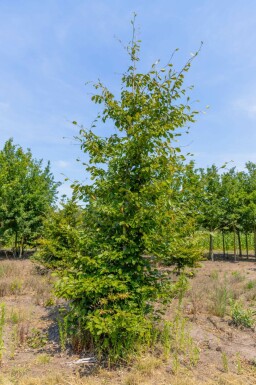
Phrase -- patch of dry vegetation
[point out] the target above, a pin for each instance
(200, 344)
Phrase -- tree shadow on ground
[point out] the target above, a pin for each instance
(9, 254)
(229, 257)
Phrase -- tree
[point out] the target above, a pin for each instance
(133, 215)
(27, 192)
(251, 198)
(63, 233)
(210, 206)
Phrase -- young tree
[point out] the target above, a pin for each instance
(26, 195)
(211, 206)
(63, 234)
(133, 217)
(233, 203)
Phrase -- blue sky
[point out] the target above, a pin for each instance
(50, 49)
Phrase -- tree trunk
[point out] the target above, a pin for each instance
(239, 243)
(16, 244)
(211, 247)
(246, 245)
(234, 233)
(223, 244)
(21, 248)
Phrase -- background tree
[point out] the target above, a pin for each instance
(250, 201)
(210, 203)
(27, 193)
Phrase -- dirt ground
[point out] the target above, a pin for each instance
(221, 352)
(217, 336)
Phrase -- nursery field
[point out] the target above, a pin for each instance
(210, 338)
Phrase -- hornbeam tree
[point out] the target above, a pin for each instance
(133, 216)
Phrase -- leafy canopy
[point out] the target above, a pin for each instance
(27, 192)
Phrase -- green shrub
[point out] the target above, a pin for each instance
(240, 316)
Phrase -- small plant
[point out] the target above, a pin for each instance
(63, 332)
(166, 340)
(146, 365)
(214, 275)
(197, 299)
(220, 297)
(43, 359)
(250, 284)
(37, 339)
(224, 359)
(240, 316)
(176, 340)
(175, 363)
(193, 352)
(16, 286)
(181, 287)
(238, 363)
(237, 277)
(14, 341)
(23, 332)
(49, 302)
(14, 317)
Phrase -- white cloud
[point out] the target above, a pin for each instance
(62, 164)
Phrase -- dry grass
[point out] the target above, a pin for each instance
(30, 358)
(20, 277)
(130, 379)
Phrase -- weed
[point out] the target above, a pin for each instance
(250, 284)
(14, 341)
(240, 316)
(147, 365)
(43, 359)
(19, 315)
(8, 269)
(176, 339)
(197, 298)
(49, 302)
(63, 332)
(193, 352)
(37, 339)
(224, 359)
(214, 275)
(4, 287)
(175, 363)
(14, 317)
(23, 332)
(220, 298)
(237, 277)
(18, 372)
(181, 287)
(16, 286)
(42, 291)
(238, 363)
(166, 340)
